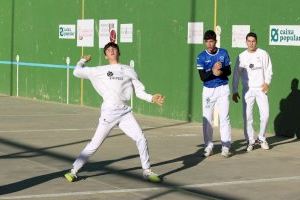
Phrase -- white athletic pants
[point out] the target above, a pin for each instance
(109, 118)
(249, 98)
(212, 97)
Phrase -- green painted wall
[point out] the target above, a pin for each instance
(261, 14)
(163, 59)
(6, 43)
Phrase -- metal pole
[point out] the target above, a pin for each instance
(68, 78)
(17, 59)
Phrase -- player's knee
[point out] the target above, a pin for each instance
(264, 118)
(249, 119)
(93, 145)
(141, 139)
(225, 120)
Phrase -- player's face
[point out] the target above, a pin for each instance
(112, 54)
(210, 45)
(251, 43)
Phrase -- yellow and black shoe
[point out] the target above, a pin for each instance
(70, 177)
(151, 176)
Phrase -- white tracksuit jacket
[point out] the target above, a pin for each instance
(253, 68)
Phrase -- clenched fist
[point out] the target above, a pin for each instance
(87, 58)
(217, 69)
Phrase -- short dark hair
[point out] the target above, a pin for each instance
(113, 45)
(210, 35)
(251, 34)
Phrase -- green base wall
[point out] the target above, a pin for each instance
(163, 59)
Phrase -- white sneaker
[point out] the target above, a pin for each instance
(264, 145)
(208, 151)
(250, 147)
(225, 152)
(151, 176)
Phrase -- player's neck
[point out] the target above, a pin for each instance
(113, 62)
(212, 51)
(252, 50)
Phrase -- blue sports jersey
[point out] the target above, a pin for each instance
(206, 61)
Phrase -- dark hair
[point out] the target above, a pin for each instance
(210, 35)
(113, 45)
(251, 34)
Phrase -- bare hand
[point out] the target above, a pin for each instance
(217, 69)
(158, 99)
(87, 58)
(265, 88)
(236, 97)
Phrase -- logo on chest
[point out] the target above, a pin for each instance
(111, 76)
(221, 58)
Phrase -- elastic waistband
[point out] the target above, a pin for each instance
(114, 105)
(223, 85)
(252, 88)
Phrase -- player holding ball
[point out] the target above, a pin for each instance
(115, 82)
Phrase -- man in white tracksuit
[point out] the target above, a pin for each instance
(254, 67)
(115, 83)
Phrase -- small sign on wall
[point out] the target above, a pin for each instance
(85, 33)
(66, 31)
(126, 32)
(108, 31)
(239, 33)
(288, 35)
(195, 33)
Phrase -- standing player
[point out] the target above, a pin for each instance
(254, 67)
(115, 83)
(214, 68)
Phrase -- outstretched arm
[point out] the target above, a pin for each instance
(80, 70)
(140, 92)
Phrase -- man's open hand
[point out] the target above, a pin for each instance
(265, 88)
(158, 99)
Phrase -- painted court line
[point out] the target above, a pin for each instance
(46, 130)
(68, 194)
(42, 115)
(29, 64)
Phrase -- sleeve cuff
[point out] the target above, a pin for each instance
(149, 98)
(268, 81)
(83, 60)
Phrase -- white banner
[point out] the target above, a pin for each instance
(126, 31)
(239, 33)
(288, 35)
(66, 31)
(195, 33)
(85, 33)
(108, 31)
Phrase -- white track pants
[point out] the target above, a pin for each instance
(249, 98)
(212, 97)
(109, 118)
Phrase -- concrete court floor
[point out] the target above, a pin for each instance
(40, 140)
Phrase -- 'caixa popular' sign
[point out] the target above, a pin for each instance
(288, 35)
